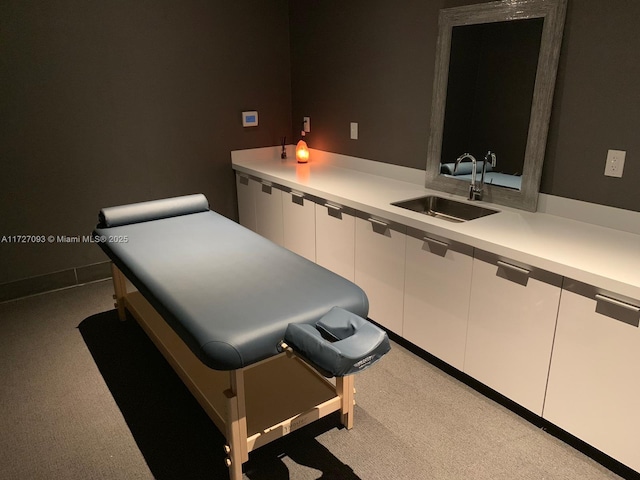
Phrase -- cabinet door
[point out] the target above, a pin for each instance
(335, 239)
(512, 319)
(269, 217)
(299, 224)
(594, 381)
(436, 295)
(379, 270)
(246, 189)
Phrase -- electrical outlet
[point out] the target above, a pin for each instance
(615, 163)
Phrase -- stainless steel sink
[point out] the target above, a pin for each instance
(445, 208)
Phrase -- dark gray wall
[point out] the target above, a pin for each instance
(597, 105)
(372, 62)
(104, 103)
(369, 62)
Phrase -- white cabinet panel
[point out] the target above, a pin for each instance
(299, 224)
(379, 271)
(594, 381)
(512, 319)
(246, 189)
(335, 240)
(436, 296)
(269, 218)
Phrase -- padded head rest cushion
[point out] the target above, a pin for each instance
(153, 210)
(359, 343)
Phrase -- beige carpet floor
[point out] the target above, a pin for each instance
(84, 396)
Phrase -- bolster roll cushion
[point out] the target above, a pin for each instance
(152, 210)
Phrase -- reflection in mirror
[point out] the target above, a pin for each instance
(495, 73)
(492, 72)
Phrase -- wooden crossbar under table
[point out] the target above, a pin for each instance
(237, 400)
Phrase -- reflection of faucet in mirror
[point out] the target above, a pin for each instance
(475, 191)
(490, 157)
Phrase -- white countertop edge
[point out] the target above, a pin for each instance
(479, 234)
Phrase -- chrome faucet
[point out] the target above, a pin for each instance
(475, 191)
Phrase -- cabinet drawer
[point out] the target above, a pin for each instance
(512, 319)
(269, 212)
(246, 190)
(436, 295)
(299, 224)
(379, 269)
(594, 380)
(335, 239)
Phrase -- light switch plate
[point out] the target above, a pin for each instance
(354, 131)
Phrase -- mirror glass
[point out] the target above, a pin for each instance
(495, 71)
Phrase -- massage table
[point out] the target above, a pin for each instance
(254, 331)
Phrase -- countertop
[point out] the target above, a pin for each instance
(604, 257)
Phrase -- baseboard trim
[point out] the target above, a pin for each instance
(54, 281)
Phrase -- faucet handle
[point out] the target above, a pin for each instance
(490, 156)
(472, 192)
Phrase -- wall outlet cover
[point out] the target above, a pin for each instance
(615, 163)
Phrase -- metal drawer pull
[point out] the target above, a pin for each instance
(436, 247)
(334, 211)
(618, 303)
(266, 188)
(243, 180)
(618, 310)
(379, 227)
(436, 242)
(378, 222)
(513, 273)
(297, 197)
(515, 268)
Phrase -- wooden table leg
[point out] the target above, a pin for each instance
(345, 389)
(120, 291)
(234, 449)
(236, 423)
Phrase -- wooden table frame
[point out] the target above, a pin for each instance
(234, 400)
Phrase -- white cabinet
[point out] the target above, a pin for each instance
(335, 239)
(488, 316)
(299, 224)
(269, 218)
(379, 269)
(246, 189)
(436, 295)
(594, 381)
(512, 317)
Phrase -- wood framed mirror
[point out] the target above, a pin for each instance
(493, 88)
